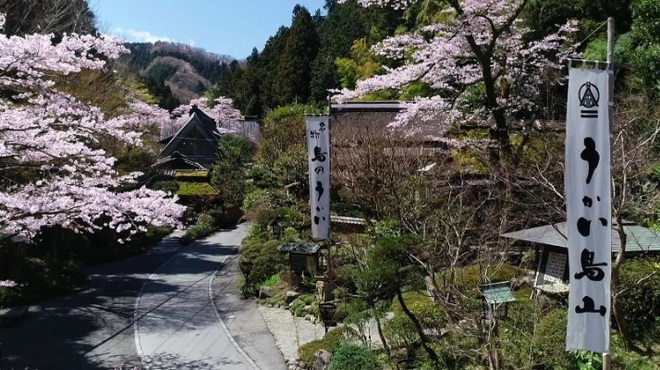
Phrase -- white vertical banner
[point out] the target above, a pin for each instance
(588, 210)
(318, 149)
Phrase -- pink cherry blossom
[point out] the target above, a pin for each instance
(481, 40)
(57, 138)
(221, 110)
(7, 283)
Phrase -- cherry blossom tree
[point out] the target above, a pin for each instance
(480, 49)
(54, 170)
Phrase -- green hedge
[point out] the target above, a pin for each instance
(262, 252)
(197, 231)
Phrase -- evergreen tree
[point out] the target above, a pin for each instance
(324, 76)
(269, 61)
(249, 99)
(295, 68)
(228, 84)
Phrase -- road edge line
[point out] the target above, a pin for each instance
(222, 323)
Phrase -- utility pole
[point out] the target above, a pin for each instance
(607, 357)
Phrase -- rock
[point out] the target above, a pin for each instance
(307, 308)
(264, 292)
(291, 296)
(322, 360)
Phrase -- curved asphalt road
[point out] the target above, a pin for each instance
(177, 325)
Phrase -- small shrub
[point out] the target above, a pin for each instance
(350, 356)
(266, 259)
(155, 234)
(48, 277)
(551, 341)
(306, 352)
(334, 338)
(330, 342)
(9, 296)
(401, 333)
(641, 300)
(420, 304)
(197, 231)
(587, 360)
(205, 218)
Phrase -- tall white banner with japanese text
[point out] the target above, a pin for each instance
(318, 149)
(588, 210)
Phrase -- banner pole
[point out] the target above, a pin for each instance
(607, 357)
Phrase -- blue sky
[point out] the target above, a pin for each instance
(231, 27)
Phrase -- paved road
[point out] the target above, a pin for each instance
(244, 320)
(174, 299)
(92, 329)
(177, 324)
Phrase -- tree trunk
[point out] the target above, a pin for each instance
(381, 335)
(493, 356)
(617, 310)
(420, 330)
(437, 297)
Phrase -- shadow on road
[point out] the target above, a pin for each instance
(86, 330)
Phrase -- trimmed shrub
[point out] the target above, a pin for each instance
(429, 313)
(350, 356)
(197, 231)
(266, 259)
(205, 218)
(330, 342)
(306, 352)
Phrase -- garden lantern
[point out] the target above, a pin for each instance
(327, 312)
(495, 299)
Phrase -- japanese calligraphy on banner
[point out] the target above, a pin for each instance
(318, 149)
(588, 210)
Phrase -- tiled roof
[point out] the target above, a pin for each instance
(639, 239)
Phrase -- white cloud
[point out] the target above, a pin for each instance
(140, 36)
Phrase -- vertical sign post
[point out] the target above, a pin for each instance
(588, 209)
(318, 147)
